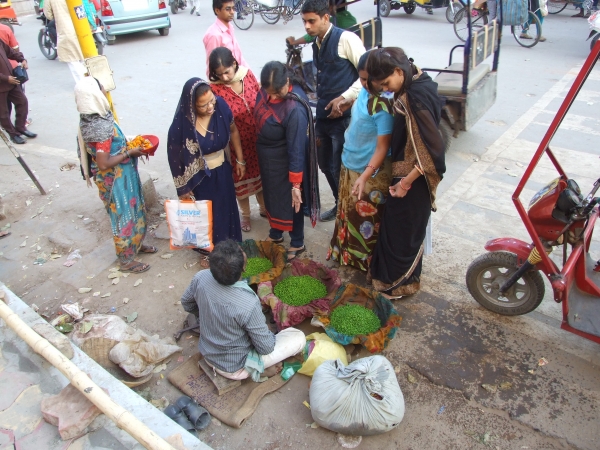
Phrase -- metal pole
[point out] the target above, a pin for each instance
(17, 155)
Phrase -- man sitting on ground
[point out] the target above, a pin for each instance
(234, 337)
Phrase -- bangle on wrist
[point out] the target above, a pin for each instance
(402, 185)
(241, 163)
(126, 153)
(372, 167)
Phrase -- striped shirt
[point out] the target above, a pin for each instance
(231, 322)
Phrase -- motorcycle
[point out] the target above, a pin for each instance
(47, 37)
(594, 21)
(177, 4)
(508, 280)
(386, 6)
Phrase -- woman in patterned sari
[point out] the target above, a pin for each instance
(199, 142)
(238, 87)
(418, 163)
(114, 169)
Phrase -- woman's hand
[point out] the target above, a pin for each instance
(240, 170)
(187, 196)
(397, 190)
(135, 152)
(296, 199)
(358, 187)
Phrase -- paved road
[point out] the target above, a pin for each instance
(447, 342)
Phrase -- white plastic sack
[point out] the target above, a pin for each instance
(190, 224)
(594, 21)
(341, 397)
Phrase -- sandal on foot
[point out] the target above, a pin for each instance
(246, 227)
(148, 249)
(139, 267)
(262, 214)
(178, 416)
(3, 234)
(295, 253)
(197, 415)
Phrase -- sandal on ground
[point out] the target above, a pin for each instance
(579, 14)
(197, 415)
(178, 416)
(391, 297)
(246, 227)
(292, 254)
(148, 249)
(3, 234)
(138, 267)
(274, 241)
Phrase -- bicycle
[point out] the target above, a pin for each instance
(451, 10)
(479, 18)
(246, 9)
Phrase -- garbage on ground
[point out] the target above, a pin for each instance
(84, 290)
(318, 349)
(490, 387)
(73, 310)
(289, 369)
(72, 258)
(112, 341)
(348, 441)
(361, 399)
(542, 362)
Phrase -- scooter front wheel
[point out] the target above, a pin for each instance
(490, 271)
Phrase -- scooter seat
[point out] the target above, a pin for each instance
(451, 83)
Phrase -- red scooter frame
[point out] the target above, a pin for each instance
(575, 267)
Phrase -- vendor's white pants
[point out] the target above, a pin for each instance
(78, 70)
(288, 342)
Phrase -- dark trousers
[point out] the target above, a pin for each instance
(330, 138)
(17, 98)
(297, 233)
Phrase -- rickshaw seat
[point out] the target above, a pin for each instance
(451, 83)
(369, 32)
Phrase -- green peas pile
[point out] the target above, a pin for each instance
(354, 319)
(254, 266)
(300, 291)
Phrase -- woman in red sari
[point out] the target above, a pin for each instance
(238, 87)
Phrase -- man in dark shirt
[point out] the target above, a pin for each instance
(234, 337)
(10, 91)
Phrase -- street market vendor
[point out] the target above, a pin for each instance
(234, 338)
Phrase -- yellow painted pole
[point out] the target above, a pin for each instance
(85, 38)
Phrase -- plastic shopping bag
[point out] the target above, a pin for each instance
(361, 399)
(320, 348)
(190, 224)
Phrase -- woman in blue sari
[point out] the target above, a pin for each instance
(114, 169)
(199, 143)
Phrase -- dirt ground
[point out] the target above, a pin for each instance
(444, 354)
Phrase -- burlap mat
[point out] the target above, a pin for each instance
(232, 408)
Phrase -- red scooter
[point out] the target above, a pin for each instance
(507, 280)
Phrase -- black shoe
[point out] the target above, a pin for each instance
(17, 139)
(329, 215)
(29, 134)
(192, 11)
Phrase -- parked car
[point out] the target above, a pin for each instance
(130, 16)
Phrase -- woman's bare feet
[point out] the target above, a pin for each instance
(273, 370)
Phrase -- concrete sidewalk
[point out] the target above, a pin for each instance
(26, 378)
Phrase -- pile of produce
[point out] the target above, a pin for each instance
(139, 142)
(299, 291)
(254, 266)
(353, 320)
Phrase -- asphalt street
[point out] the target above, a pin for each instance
(447, 343)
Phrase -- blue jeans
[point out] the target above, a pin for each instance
(297, 233)
(330, 135)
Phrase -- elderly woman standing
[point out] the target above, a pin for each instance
(287, 155)
(238, 87)
(199, 142)
(418, 163)
(114, 169)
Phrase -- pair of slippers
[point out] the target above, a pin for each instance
(188, 414)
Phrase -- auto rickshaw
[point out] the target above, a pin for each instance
(385, 6)
(7, 14)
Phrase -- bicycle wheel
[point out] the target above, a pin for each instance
(244, 14)
(461, 24)
(555, 6)
(271, 16)
(528, 34)
(451, 12)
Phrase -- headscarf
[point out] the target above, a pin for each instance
(96, 119)
(185, 155)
